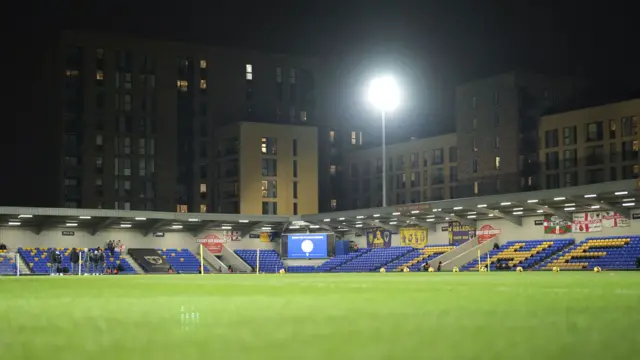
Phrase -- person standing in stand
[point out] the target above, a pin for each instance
(101, 261)
(74, 258)
(88, 262)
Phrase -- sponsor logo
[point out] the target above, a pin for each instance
(68, 233)
(486, 232)
(156, 260)
(538, 222)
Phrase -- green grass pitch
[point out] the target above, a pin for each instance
(531, 315)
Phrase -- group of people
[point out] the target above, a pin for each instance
(113, 246)
(427, 266)
(3, 246)
(94, 262)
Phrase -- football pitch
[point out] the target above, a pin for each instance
(531, 315)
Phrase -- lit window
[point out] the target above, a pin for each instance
(360, 137)
(334, 204)
(292, 76)
(268, 146)
(127, 80)
(353, 138)
(182, 85)
(475, 188)
(475, 123)
(332, 135)
(203, 188)
(182, 208)
(497, 162)
(72, 72)
(249, 72)
(203, 208)
(203, 84)
(303, 116)
(99, 75)
(203, 65)
(332, 169)
(99, 140)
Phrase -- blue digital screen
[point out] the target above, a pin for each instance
(307, 246)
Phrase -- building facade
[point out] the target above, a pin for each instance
(497, 128)
(590, 145)
(266, 169)
(136, 121)
(417, 170)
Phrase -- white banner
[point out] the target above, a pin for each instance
(612, 219)
(587, 222)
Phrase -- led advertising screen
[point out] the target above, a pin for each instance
(307, 246)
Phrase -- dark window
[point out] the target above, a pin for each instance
(594, 131)
(551, 138)
(569, 135)
(595, 176)
(570, 159)
(594, 155)
(453, 154)
(438, 158)
(552, 160)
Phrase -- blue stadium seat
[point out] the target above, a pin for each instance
(270, 261)
(527, 254)
(182, 260)
(7, 263)
(374, 259)
(607, 252)
(37, 260)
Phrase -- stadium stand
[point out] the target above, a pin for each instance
(374, 259)
(521, 253)
(300, 269)
(38, 258)
(416, 259)
(7, 263)
(182, 261)
(270, 261)
(336, 261)
(610, 253)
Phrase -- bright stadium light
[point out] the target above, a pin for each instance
(384, 94)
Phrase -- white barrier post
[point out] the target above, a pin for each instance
(17, 264)
(258, 261)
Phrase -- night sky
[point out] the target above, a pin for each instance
(448, 42)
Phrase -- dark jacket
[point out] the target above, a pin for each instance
(101, 257)
(74, 257)
(52, 256)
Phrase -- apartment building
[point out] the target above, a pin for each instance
(590, 145)
(134, 123)
(418, 170)
(497, 130)
(268, 169)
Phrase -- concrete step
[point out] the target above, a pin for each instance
(133, 264)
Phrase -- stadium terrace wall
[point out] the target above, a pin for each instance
(510, 231)
(21, 237)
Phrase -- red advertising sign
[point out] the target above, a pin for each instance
(486, 232)
(213, 243)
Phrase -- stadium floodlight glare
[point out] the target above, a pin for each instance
(340, 219)
(431, 220)
(384, 93)
(572, 204)
(85, 217)
(312, 227)
(266, 228)
(559, 198)
(396, 213)
(415, 211)
(325, 220)
(243, 221)
(141, 218)
(590, 195)
(539, 211)
(392, 223)
(471, 217)
(621, 193)
(517, 213)
(360, 217)
(629, 199)
(517, 209)
(457, 208)
(226, 228)
(628, 204)
(71, 224)
(376, 215)
(532, 201)
(569, 209)
(24, 216)
(194, 220)
(471, 213)
(178, 227)
(505, 203)
(14, 223)
(290, 227)
(125, 225)
(595, 207)
(359, 225)
(482, 205)
(490, 215)
(431, 216)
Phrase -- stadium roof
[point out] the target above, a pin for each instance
(147, 222)
(618, 196)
